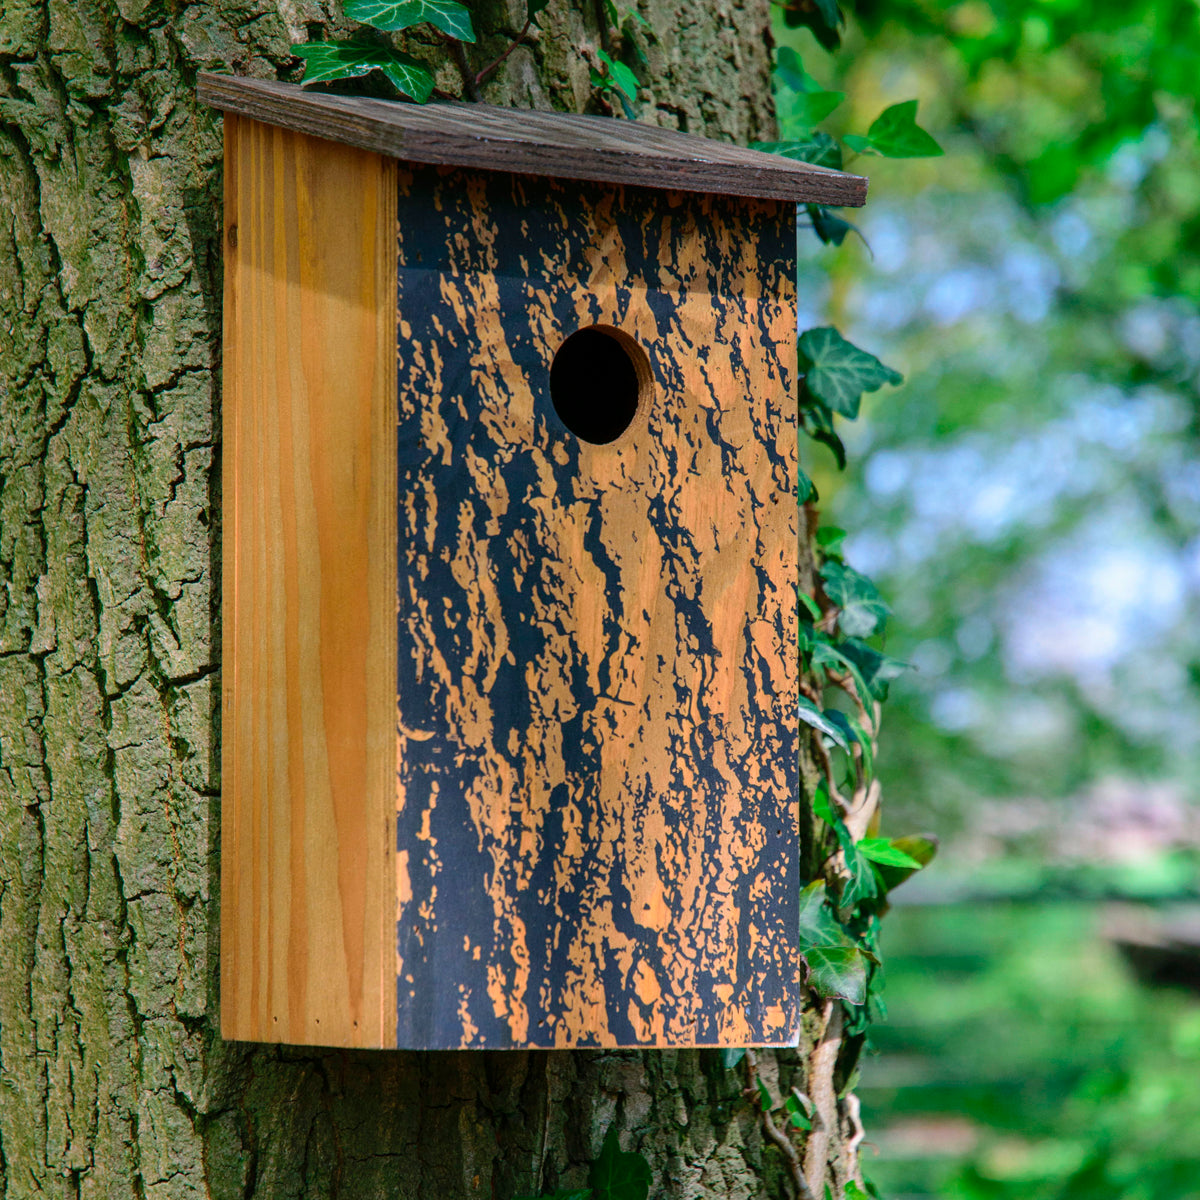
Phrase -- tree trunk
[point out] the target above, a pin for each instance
(113, 1080)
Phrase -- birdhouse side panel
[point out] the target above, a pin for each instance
(597, 822)
(308, 632)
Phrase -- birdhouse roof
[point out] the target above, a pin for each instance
(523, 141)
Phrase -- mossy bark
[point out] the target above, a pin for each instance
(113, 1080)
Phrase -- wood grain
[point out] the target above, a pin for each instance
(597, 690)
(307, 849)
(558, 145)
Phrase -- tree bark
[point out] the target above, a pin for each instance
(113, 1080)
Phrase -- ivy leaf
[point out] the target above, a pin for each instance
(921, 848)
(563, 1194)
(896, 134)
(837, 972)
(810, 714)
(822, 16)
(822, 807)
(764, 1097)
(789, 70)
(854, 1192)
(797, 1113)
(876, 670)
(616, 1175)
(805, 488)
(829, 656)
(863, 883)
(886, 852)
(863, 609)
(828, 226)
(348, 59)
(817, 148)
(451, 18)
(621, 76)
(818, 925)
(807, 109)
(731, 1058)
(837, 372)
(829, 539)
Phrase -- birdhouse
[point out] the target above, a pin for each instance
(510, 669)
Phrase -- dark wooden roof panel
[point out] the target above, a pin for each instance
(534, 143)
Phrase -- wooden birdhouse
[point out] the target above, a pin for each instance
(510, 557)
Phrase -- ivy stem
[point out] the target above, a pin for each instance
(459, 53)
(820, 1087)
(781, 1139)
(492, 66)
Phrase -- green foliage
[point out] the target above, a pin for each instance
(822, 720)
(862, 611)
(887, 852)
(838, 972)
(615, 77)
(837, 966)
(1067, 1079)
(799, 1116)
(896, 134)
(805, 102)
(564, 1194)
(837, 373)
(325, 61)
(452, 18)
(815, 147)
(822, 18)
(617, 1175)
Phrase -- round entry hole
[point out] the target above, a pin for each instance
(599, 379)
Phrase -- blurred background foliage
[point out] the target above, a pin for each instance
(1029, 503)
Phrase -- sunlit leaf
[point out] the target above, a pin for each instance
(348, 59)
(622, 77)
(451, 18)
(921, 848)
(886, 852)
(837, 372)
(806, 109)
(896, 134)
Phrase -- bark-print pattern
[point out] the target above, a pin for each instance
(597, 676)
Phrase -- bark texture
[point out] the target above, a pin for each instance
(113, 1081)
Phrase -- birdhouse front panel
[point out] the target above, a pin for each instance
(596, 772)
